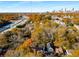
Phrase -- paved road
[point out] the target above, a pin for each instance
(13, 25)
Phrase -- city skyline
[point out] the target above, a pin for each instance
(37, 6)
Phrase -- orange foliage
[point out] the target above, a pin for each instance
(26, 44)
(8, 16)
(35, 17)
(75, 53)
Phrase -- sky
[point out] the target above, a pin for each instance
(37, 6)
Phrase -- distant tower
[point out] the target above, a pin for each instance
(65, 10)
(62, 10)
(72, 9)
